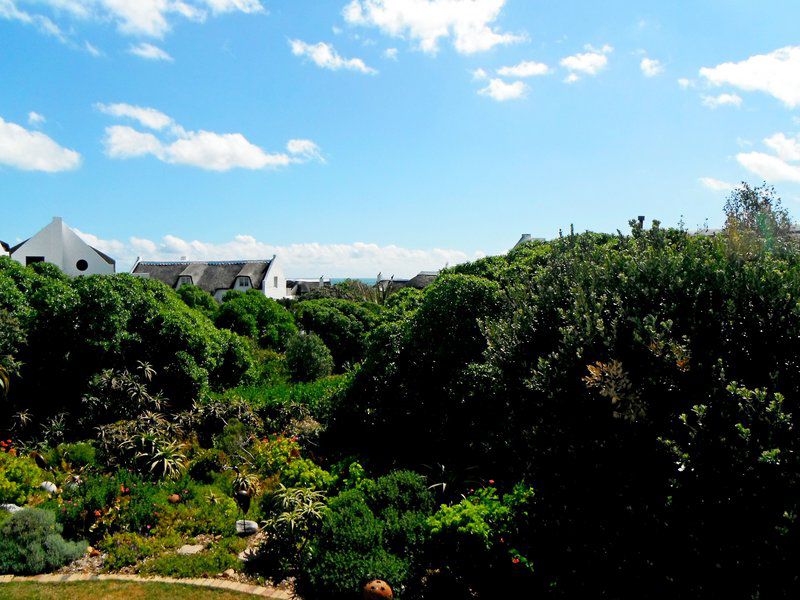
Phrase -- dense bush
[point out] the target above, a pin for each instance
(374, 531)
(308, 358)
(219, 558)
(19, 477)
(31, 542)
(76, 328)
(342, 325)
(254, 315)
(199, 299)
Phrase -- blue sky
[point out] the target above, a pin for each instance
(422, 132)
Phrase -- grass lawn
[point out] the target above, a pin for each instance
(113, 590)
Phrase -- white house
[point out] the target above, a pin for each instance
(218, 277)
(59, 245)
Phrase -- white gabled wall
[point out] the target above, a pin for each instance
(61, 246)
(274, 285)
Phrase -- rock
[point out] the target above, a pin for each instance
(229, 573)
(377, 589)
(49, 487)
(12, 508)
(91, 551)
(244, 527)
(191, 549)
(174, 498)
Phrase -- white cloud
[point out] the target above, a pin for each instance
(35, 119)
(148, 117)
(390, 53)
(480, 74)
(225, 6)
(10, 12)
(590, 62)
(150, 18)
(776, 73)
(527, 68)
(149, 52)
(716, 184)
(785, 147)
(33, 150)
(325, 56)
(501, 91)
(684, 83)
(304, 150)
(91, 49)
(777, 167)
(203, 149)
(299, 260)
(722, 100)
(651, 67)
(469, 23)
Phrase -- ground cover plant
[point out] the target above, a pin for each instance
(597, 416)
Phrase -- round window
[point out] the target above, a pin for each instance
(81, 265)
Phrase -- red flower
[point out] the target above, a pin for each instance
(97, 513)
(491, 482)
(515, 560)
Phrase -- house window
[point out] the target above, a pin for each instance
(276, 282)
(243, 282)
(81, 265)
(29, 260)
(184, 280)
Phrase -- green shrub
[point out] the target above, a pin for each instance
(127, 549)
(253, 315)
(374, 531)
(278, 456)
(199, 299)
(31, 542)
(19, 477)
(79, 454)
(220, 557)
(307, 358)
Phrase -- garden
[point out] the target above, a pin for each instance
(597, 416)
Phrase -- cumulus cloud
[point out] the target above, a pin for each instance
(33, 150)
(722, 100)
(651, 67)
(684, 83)
(589, 63)
(500, 90)
(325, 56)
(716, 184)
(149, 52)
(470, 24)
(480, 74)
(203, 149)
(776, 73)
(783, 165)
(390, 53)
(357, 259)
(527, 68)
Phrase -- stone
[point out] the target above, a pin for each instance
(377, 589)
(191, 549)
(174, 498)
(244, 527)
(229, 573)
(49, 487)
(12, 508)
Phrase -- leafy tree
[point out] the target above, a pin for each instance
(342, 324)
(308, 358)
(199, 299)
(254, 315)
(755, 219)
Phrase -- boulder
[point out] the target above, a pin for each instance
(191, 549)
(244, 527)
(49, 487)
(12, 508)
